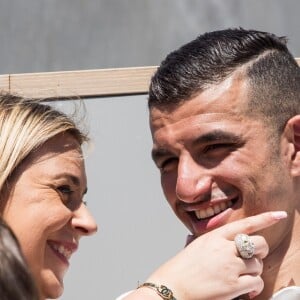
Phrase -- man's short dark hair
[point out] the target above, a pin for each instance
(273, 73)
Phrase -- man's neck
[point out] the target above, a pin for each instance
(281, 267)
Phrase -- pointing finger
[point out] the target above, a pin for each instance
(252, 224)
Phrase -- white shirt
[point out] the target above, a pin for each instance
(123, 295)
(288, 293)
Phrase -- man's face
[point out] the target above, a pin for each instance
(217, 164)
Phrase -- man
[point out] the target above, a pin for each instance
(225, 122)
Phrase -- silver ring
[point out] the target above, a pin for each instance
(244, 245)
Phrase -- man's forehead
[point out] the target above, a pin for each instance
(230, 95)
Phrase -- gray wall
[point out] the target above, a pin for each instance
(55, 35)
(137, 230)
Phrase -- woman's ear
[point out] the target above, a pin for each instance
(293, 127)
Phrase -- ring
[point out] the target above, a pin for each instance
(244, 245)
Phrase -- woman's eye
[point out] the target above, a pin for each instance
(70, 197)
(65, 189)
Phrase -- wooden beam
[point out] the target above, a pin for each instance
(4, 83)
(83, 84)
(87, 83)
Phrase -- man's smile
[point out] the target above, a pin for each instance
(212, 210)
(210, 214)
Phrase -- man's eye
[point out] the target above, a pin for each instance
(168, 164)
(65, 189)
(216, 147)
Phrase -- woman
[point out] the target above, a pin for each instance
(42, 185)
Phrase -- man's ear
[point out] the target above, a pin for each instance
(293, 135)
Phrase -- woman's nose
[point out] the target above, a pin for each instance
(83, 221)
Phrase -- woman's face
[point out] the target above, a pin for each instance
(46, 211)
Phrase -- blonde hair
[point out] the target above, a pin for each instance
(26, 124)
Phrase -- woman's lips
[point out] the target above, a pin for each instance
(63, 250)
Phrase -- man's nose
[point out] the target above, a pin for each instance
(193, 181)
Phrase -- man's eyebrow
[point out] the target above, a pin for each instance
(158, 153)
(213, 136)
(218, 135)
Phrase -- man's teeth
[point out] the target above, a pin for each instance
(63, 251)
(212, 210)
